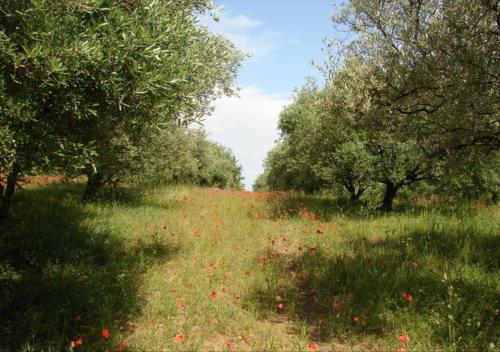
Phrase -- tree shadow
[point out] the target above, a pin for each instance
(62, 279)
(373, 287)
(326, 208)
(132, 197)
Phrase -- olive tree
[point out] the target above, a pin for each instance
(85, 85)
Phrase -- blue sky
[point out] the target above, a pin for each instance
(283, 37)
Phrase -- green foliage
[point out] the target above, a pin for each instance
(435, 63)
(351, 165)
(185, 156)
(470, 176)
(404, 101)
(290, 163)
(90, 83)
(261, 184)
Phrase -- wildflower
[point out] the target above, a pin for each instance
(350, 295)
(225, 289)
(312, 347)
(356, 318)
(78, 318)
(180, 338)
(228, 345)
(105, 333)
(122, 346)
(180, 302)
(319, 230)
(404, 339)
(401, 349)
(280, 305)
(407, 296)
(213, 294)
(79, 342)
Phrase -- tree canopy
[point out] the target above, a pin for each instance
(86, 85)
(416, 87)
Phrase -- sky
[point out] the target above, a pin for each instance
(283, 37)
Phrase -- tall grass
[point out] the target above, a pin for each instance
(182, 268)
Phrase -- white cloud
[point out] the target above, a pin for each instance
(239, 22)
(216, 130)
(249, 35)
(250, 127)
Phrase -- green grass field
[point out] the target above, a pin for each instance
(183, 269)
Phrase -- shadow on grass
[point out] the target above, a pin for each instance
(133, 197)
(326, 208)
(361, 291)
(61, 279)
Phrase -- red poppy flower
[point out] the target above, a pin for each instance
(79, 342)
(213, 294)
(401, 349)
(280, 305)
(407, 296)
(312, 347)
(228, 345)
(350, 295)
(180, 338)
(356, 318)
(105, 333)
(404, 339)
(319, 230)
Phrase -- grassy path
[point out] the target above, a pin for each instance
(204, 269)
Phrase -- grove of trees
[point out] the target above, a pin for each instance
(414, 96)
(107, 88)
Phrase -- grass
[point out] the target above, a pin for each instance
(185, 269)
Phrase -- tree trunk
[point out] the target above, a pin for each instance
(494, 197)
(93, 182)
(390, 192)
(9, 191)
(354, 194)
(357, 194)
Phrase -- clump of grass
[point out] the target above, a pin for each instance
(183, 268)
